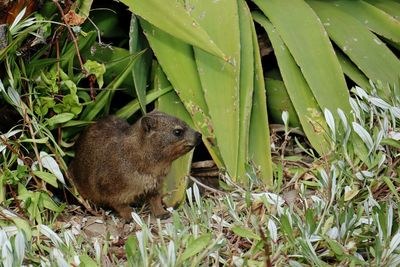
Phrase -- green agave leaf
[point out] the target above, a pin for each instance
(177, 61)
(366, 50)
(141, 68)
(308, 43)
(352, 71)
(176, 181)
(389, 6)
(278, 100)
(372, 17)
(219, 79)
(246, 83)
(171, 17)
(307, 108)
(259, 137)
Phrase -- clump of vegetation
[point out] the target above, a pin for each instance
(342, 209)
(58, 74)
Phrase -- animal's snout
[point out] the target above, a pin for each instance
(198, 138)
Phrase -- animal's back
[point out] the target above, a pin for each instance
(93, 154)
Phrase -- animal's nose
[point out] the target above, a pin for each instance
(198, 138)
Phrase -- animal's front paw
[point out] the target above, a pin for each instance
(125, 211)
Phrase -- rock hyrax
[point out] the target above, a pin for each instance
(115, 162)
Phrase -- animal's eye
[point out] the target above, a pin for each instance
(178, 132)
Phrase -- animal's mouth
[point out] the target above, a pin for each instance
(189, 147)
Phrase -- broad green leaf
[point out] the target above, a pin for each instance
(246, 233)
(171, 17)
(97, 69)
(194, 247)
(84, 8)
(278, 100)
(177, 61)
(174, 185)
(49, 203)
(86, 261)
(391, 142)
(131, 247)
(389, 6)
(350, 193)
(246, 83)
(352, 71)
(373, 18)
(220, 79)
(259, 137)
(308, 110)
(309, 45)
(47, 177)
(336, 248)
(366, 50)
(141, 68)
(59, 118)
(391, 186)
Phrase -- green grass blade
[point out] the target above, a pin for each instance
(219, 79)
(171, 17)
(177, 61)
(369, 53)
(373, 18)
(133, 106)
(307, 41)
(307, 108)
(259, 137)
(176, 181)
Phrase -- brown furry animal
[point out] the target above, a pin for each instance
(115, 162)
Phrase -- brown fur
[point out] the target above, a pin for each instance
(115, 162)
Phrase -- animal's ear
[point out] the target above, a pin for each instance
(148, 123)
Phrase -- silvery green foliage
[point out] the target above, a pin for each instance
(337, 216)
